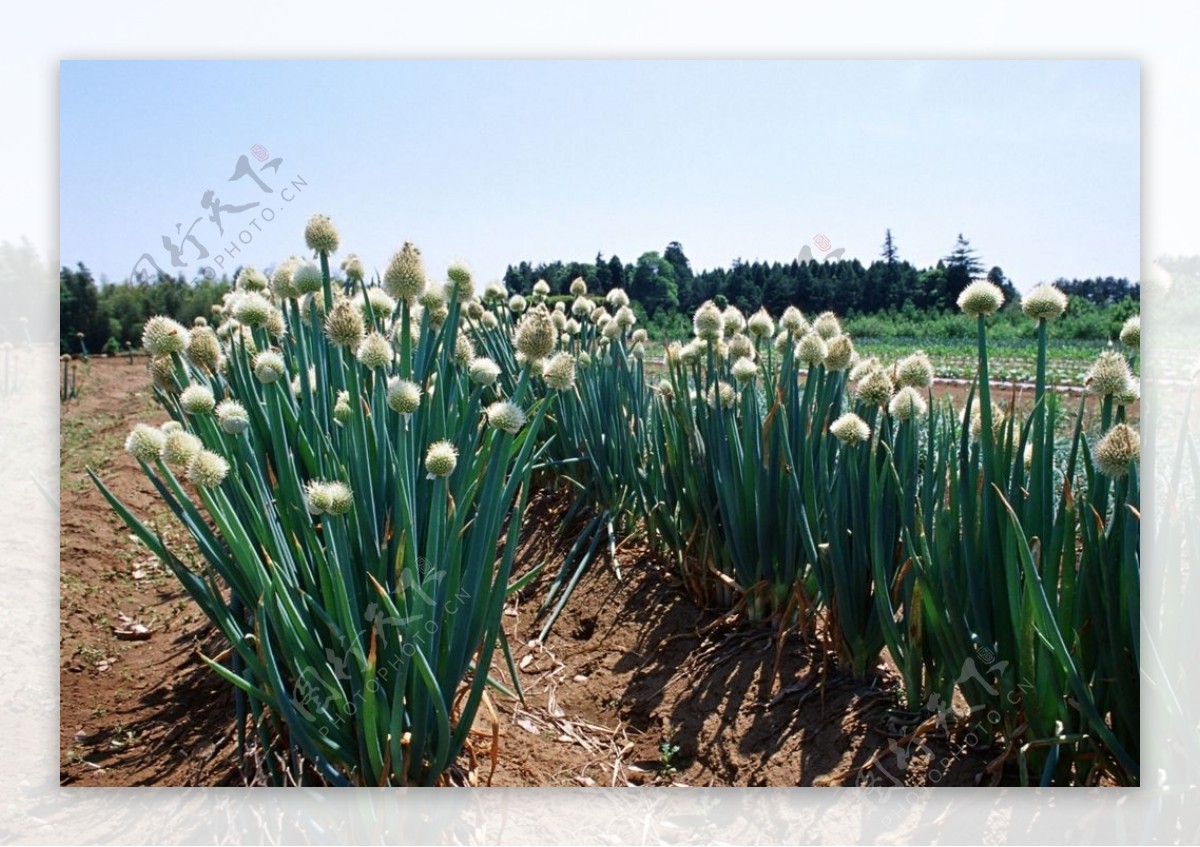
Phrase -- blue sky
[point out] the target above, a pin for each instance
(1036, 162)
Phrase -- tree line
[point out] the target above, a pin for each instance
(668, 290)
(104, 317)
(890, 296)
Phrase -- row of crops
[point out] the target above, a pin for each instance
(362, 453)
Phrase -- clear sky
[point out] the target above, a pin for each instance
(1035, 162)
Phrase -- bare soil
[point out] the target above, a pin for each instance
(635, 685)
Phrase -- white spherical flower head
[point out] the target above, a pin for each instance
(783, 340)
(708, 322)
(722, 393)
(665, 389)
(744, 370)
(344, 324)
(838, 353)
(560, 320)
(691, 351)
(306, 279)
(541, 288)
(536, 335)
(340, 498)
(915, 370)
(464, 350)
(162, 336)
(581, 307)
(316, 497)
(517, 303)
(793, 321)
(875, 388)
(207, 469)
(625, 317)
(907, 405)
(981, 298)
(1044, 303)
(740, 347)
(585, 360)
(617, 298)
(232, 417)
(494, 292)
(342, 410)
(483, 371)
(403, 395)
(506, 416)
(441, 459)
(275, 324)
(352, 267)
(269, 367)
(578, 287)
(827, 325)
(281, 279)
(145, 443)
(180, 447)
(167, 427)
(850, 429)
(1109, 374)
(611, 330)
(863, 367)
(404, 278)
(382, 303)
(197, 400)
(733, 319)
(321, 235)
(251, 278)
(811, 349)
(328, 498)
(1131, 333)
(374, 351)
(252, 309)
(1117, 449)
(489, 320)
(559, 372)
(573, 327)
(461, 280)
(474, 310)
(760, 325)
(205, 349)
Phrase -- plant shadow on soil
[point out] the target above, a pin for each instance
(635, 684)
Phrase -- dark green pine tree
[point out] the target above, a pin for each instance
(962, 266)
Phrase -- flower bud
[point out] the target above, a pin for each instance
(850, 429)
(441, 459)
(321, 235)
(981, 298)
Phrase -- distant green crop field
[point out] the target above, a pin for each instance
(1010, 361)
